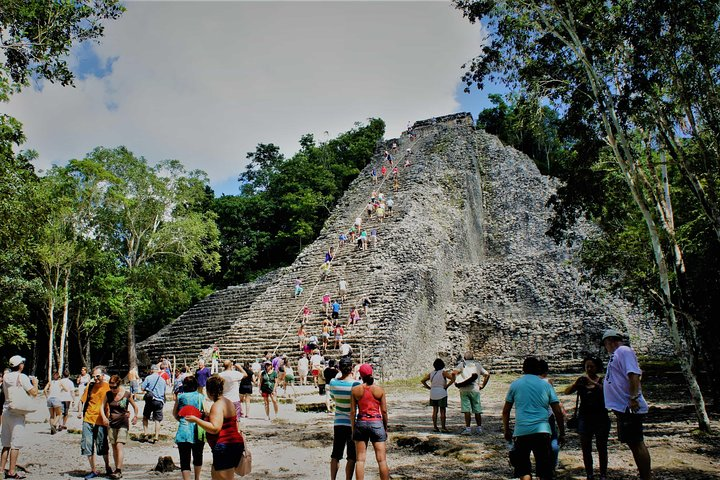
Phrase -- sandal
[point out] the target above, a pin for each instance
(436, 429)
(15, 475)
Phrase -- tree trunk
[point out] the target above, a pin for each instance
(84, 357)
(63, 328)
(51, 336)
(132, 353)
(627, 163)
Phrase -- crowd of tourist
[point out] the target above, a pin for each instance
(210, 403)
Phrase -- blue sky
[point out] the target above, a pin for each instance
(205, 82)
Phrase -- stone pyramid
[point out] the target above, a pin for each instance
(462, 263)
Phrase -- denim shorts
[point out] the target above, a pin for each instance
(227, 455)
(53, 402)
(372, 431)
(93, 437)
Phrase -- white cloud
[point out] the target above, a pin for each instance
(205, 82)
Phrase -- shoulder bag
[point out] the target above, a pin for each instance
(18, 400)
(149, 396)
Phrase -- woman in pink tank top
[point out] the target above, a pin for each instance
(369, 419)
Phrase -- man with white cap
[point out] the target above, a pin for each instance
(624, 397)
(13, 424)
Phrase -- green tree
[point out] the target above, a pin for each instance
(284, 202)
(150, 218)
(623, 70)
(36, 38)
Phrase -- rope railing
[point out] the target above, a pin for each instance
(294, 319)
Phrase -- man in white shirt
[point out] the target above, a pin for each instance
(467, 373)
(231, 388)
(623, 395)
(13, 424)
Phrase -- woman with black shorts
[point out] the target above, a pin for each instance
(593, 419)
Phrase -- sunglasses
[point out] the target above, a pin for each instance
(113, 387)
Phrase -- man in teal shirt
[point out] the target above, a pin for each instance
(532, 397)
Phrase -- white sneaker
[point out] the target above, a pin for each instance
(466, 431)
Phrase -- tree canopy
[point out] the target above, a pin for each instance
(637, 85)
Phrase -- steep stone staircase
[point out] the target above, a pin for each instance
(462, 262)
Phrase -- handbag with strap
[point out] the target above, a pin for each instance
(149, 395)
(245, 465)
(18, 401)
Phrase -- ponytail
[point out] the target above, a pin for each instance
(368, 380)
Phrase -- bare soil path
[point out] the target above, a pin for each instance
(297, 445)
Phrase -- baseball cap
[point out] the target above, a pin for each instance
(611, 333)
(155, 368)
(16, 360)
(365, 370)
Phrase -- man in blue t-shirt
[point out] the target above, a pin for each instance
(532, 397)
(340, 391)
(154, 387)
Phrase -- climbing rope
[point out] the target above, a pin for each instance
(293, 320)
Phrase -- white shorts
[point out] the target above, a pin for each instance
(13, 430)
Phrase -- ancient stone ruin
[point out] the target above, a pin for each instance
(463, 262)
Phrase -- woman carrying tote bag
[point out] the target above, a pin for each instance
(18, 388)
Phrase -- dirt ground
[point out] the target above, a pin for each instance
(297, 445)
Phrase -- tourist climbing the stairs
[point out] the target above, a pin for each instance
(298, 287)
(306, 312)
(338, 333)
(324, 270)
(325, 335)
(383, 170)
(380, 212)
(389, 204)
(373, 174)
(336, 306)
(342, 289)
(329, 255)
(366, 304)
(302, 336)
(326, 303)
